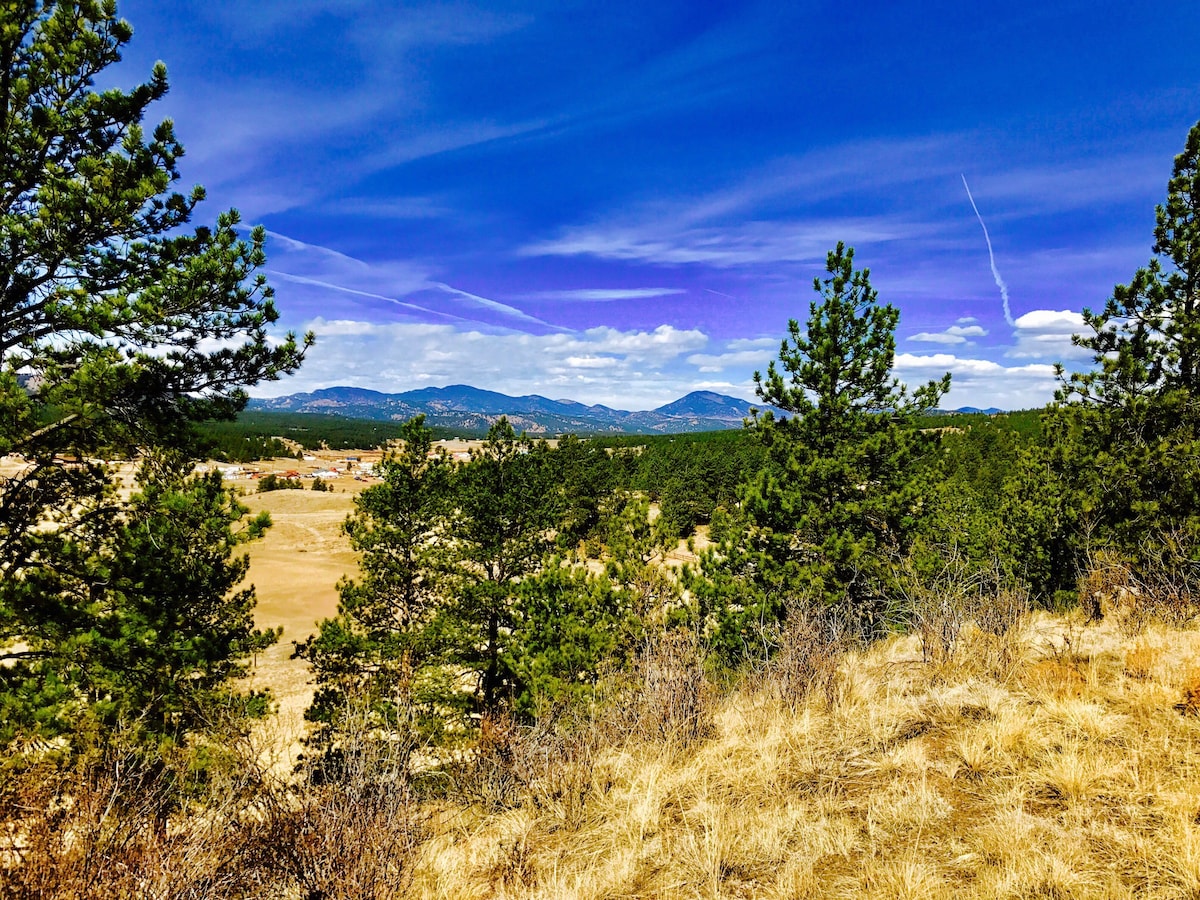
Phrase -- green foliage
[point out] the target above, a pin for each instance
(1041, 513)
(690, 475)
(138, 624)
(272, 482)
(585, 475)
(568, 626)
(635, 560)
(963, 491)
(237, 448)
(507, 503)
(321, 485)
(1123, 442)
(462, 607)
(108, 310)
(1025, 424)
(837, 502)
(379, 649)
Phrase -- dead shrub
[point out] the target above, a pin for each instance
(514, 867)
(996, 646)
(1002, 611)
(939, 605)
(1160, 582)
(809, 649)
(353, 831)
(669, 697)
(493, 772)
(549, 765)
(116, 826)
(1109, 590)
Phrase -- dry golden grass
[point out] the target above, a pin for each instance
(1059, 762)
(1069, 773)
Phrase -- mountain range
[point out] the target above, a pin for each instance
(469, 408)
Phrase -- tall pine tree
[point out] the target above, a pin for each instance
(835, 505)
(118, 327)
(1124, 437)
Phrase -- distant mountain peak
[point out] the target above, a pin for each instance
(472, 409)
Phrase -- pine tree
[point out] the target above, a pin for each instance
(836, 503)
(109, 310)
(1124, 438)
(376, 662)
(507, 506)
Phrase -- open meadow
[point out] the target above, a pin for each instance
(1058, 761)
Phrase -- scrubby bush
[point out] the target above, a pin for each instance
(273, 482)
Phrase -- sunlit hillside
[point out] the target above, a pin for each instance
(1060, 761)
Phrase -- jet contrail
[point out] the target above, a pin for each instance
(991, 256)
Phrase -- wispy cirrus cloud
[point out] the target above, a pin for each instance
(360, 101)
(494, 305)
(603, 295)
(318, 280)
(747, 244)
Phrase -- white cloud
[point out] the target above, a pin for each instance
(720, 362)
(762, 343)
(634, 369)
(627, 369)
(1052, 321)
(937, 337)
(980, 382)
(592, 362)
(1046, 334)
(955, 334)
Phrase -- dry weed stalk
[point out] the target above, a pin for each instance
(808, 650)
(669, 697)
(350, 837)
(1162, 585)
(112, 827)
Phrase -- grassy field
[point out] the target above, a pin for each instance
(1060, 762)
(1057, 766)
(295, 569)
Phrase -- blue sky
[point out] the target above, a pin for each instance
(621, 202)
